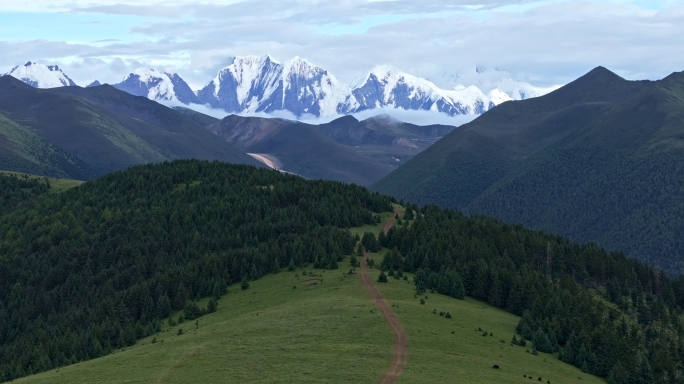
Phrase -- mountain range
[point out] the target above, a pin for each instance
(599, 159)
(344, 149)
(254, 84)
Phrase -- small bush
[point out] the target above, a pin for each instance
(447, 315)
(422, 301)
(180, 331)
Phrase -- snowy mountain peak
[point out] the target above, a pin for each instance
(491, 79)
(253, 84)
(157, 86)
(41, 75)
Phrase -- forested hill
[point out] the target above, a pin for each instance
(599, 159)
(604, 313)
(15, 189)
(94, 268)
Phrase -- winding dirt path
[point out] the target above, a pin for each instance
(392, 221)
(400, 336)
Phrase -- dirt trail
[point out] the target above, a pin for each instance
(400, 336)
(390, 223)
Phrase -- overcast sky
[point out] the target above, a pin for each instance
(542, 42)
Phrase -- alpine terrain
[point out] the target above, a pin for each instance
(599, 159)
(252, 84)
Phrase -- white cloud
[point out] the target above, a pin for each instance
(542, 42)
(413, 117)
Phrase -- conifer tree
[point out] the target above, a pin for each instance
(382, 278)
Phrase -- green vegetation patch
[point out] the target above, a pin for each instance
(448, 350)
(271, 332)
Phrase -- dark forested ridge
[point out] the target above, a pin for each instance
(604, 313)
(94, 268)
(600, 160)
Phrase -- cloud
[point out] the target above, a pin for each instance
(542, 42)
(413, 117)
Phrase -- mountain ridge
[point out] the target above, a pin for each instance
(109, 129)
(596, 160)
(253, 84)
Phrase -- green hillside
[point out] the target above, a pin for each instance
(107, 129)
(54, 185)
(597, 160)
(23, 151)
(100, 268)
(324, 332)
(94, 268)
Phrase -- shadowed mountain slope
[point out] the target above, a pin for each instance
(108, 129)
(598, 160)
(345, 149)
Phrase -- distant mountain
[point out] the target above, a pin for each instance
(94, 84)
(599, 159)
(345, 149)
(101, 129)
(41, 75)
(386, 86)
(252, 84)
(261, 84)
(157, 86)
(489, 79)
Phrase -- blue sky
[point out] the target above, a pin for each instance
(544, 42)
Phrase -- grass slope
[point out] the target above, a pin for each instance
(329, 331)
(436, 355)
(56, 185)
(23, 151)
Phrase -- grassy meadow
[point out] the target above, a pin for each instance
(56, 185)
(453, 350)
(323, 328)
(318, 332)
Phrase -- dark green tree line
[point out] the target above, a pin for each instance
(95, 268)
(600, 309)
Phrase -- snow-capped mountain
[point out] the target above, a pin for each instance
(157, 86)
(386, 86)
(249, 84)
(489, 79)
(261, 84)
(41, 75)
(252, 84)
